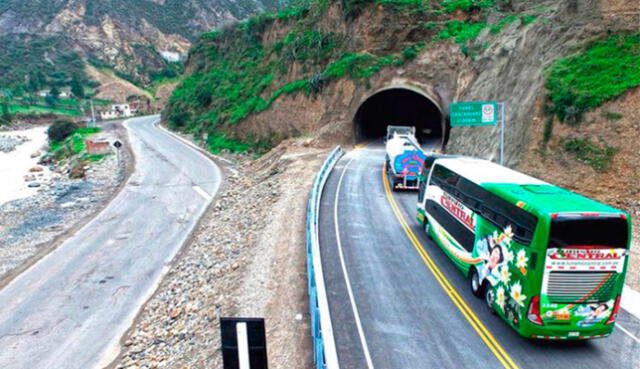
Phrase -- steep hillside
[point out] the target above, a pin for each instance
(142, 40)
(310, 69)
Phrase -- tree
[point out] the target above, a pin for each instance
(6, 116)
(37, 81)
(76, 88)
(55, 93)
(61, 129)
(50, 100)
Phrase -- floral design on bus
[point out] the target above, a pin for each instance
(503, 264)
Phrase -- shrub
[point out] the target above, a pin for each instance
(60, 130)
(590, 153)
(466, 5)
(460, 31)
(5, 117)
(611, 115)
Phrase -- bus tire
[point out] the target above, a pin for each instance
(488, 297)
(427, 229)
(476, 287)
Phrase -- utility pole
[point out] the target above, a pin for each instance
(93, 115)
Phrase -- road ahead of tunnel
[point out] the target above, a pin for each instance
(71, 308)
(403, 318)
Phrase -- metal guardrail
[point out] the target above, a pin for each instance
(325, 355)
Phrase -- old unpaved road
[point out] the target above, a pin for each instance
(70, 309)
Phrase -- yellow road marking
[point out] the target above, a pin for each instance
(361, 146)
(466, 311)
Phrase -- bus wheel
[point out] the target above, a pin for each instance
(489, 297)
(427, 229)
(476, 287)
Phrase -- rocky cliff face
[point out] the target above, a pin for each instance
(139, 39)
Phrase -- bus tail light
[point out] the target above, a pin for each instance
(534, 311)
(614, 314)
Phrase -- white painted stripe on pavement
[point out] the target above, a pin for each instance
(195, 147)
(202, 193)
(630, 301)
(628, 333)
(243, 346)
(363, 340)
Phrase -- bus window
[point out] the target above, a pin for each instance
(503, 214)
(601, 231)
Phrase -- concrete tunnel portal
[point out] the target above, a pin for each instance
(402, 107)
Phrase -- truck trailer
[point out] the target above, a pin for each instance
(404, 158)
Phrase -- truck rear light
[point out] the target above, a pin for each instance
(614, 314)
(554, 216)
(534, 311)
(623, 216)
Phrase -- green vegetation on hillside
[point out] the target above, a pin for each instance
(591, 154)
(238, 71)
(30, 63)
(605, 70)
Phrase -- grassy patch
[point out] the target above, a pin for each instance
(451, 6)
(93, 158)
(604, 71)
(36, 109)
(460, 31)
(217, 143)
(496, 28)
(611, 115)
(72, 145)
(586, 151)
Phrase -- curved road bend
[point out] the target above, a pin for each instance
(70, 309)
(405, 319)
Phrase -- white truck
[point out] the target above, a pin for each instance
(405, 158)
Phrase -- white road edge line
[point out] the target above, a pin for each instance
(630, 301)
(203, 193)
(628, 333)
(193, 146)
(363, 340)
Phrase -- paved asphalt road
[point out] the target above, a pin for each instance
(71, 308)
(405, 319)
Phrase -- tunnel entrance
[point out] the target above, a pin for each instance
(400, 107)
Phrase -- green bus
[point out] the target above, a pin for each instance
(549, 262)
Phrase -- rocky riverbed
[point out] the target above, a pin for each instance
(9, 143)
(30, 226)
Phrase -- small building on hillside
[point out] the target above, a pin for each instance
(119, 111)
(65, 93)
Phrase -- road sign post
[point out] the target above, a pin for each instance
(471, 114)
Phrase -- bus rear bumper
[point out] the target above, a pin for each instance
(568, 333)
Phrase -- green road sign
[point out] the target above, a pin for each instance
(474, 114)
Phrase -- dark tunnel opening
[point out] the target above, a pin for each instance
(401, 107)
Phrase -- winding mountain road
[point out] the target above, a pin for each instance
(398, 302)
(70, 309)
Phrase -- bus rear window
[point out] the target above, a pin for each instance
(601, 231)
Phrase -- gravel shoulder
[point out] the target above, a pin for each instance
(33, 226)
(246, 258)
